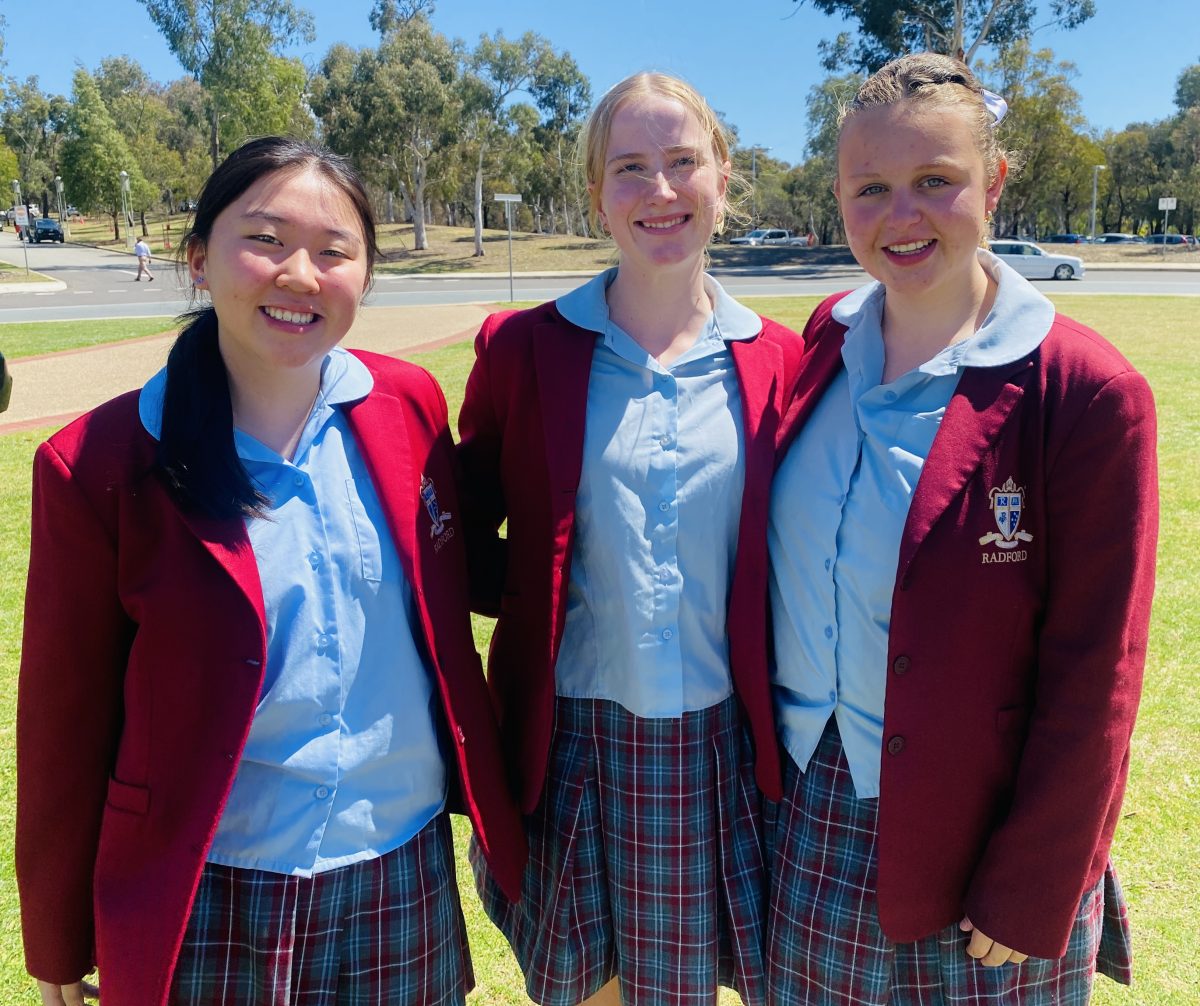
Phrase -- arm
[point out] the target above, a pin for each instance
(76, 640)
(481, 489)
(1102, 524)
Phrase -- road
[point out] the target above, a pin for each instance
(100, 284)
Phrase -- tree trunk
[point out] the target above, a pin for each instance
(418, 203)
(214, 147)
(116, 226)
(479, 205)
(391, 208)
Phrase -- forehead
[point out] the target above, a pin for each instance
(906, 132)
(302, 195)
(653, 120)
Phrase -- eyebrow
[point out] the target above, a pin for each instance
(940, 165)
(273, 218)
(677, 149)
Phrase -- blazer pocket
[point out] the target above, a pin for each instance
(127, 797)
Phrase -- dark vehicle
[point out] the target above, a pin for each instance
(1065, 239)
(46, 230)
(1166, 239)
(1120, 239)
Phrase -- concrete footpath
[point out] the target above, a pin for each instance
(52, 390)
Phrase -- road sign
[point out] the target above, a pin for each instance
(22, 219)
(506, 197)
(1166, 203)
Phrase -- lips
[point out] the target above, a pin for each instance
(290, 317)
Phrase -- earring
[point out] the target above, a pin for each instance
(987, 231)
(198, 281)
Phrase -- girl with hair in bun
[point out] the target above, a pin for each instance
(626, 432)
(962, 540)
(248, 687)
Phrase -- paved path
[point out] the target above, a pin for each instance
(55, 388)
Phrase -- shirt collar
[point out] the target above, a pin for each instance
(1019, 320)
(344, 378)
(587, 307)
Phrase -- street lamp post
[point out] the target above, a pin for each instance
(62, 212)
(16, 187)
(754, 180)
(1096, 169)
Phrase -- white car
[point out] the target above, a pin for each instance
(1034, 263)
(768, 236)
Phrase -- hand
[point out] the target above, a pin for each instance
(987, 951)
(67, 995)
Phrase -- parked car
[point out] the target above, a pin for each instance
(1065, 239)
(45, 229)
(1118, 239)
(1166, 239)
(1034, 263)
(769, 236)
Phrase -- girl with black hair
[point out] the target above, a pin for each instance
(248, 689)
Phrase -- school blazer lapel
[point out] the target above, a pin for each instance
(380, 428)
(226, 540)
(758, 368)
(562, 355)
(981, 405)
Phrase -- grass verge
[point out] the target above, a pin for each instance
(36, 337)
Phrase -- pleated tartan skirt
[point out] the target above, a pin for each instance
(388, 930)
(646, 861)
(824, 943)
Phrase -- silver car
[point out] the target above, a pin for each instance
(1033, 262)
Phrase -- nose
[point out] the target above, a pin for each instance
(660, 187)
(904, 206)
(297, 272)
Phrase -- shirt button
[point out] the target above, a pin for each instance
(314, 559)
(324, 719)
(664, 506)
(901, 664)
(298, 480)
(889, 396)
(828, 563)
(667, 634)
(321, 792)
(323, 639)
(895, 745)
(665, 440)
(829, 632)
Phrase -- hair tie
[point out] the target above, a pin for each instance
(996, 105)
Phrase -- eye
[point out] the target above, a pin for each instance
(685, 161)
(873, 189)
(934, 182)
(631, 167)
(337, 253)
(264, 238)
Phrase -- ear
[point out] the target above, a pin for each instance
(997, 185)
(197, 257)
(726, 168)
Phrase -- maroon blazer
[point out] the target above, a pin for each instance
(1013, 673)
(521, 453)
(143, 657)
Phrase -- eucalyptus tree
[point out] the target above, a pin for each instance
(394, 109)
(31, 123)
(889, 28)
(563, 95)
(94, 153)
(234, 49)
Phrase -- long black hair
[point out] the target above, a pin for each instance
(196, 454)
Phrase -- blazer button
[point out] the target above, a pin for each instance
(901, 664)
(895, 745)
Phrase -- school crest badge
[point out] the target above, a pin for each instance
(1007, 503)
(437, 516)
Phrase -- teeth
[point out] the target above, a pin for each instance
(662, 225)
(908, 249)
(291, 317)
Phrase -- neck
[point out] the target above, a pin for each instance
(275, 411)
(917, 328)
(663, 312)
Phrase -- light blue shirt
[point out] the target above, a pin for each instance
(838, 507)
(343, 761)
(656, 515)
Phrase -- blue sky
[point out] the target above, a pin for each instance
(755, 60)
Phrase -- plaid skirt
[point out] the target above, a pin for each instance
(824, 943)
(385, 930)
(646, 861)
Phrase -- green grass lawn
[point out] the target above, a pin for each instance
(35, 337)
(1158, 843)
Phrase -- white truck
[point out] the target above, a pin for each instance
(769, 236)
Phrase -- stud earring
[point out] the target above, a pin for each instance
(198, 281)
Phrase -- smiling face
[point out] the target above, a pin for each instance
(662, 186)
(914, 192)
(286, 266)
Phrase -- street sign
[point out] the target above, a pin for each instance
(1166, 203)
(22, 216)
(506, 197)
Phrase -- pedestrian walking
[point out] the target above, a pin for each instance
(142, 251)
